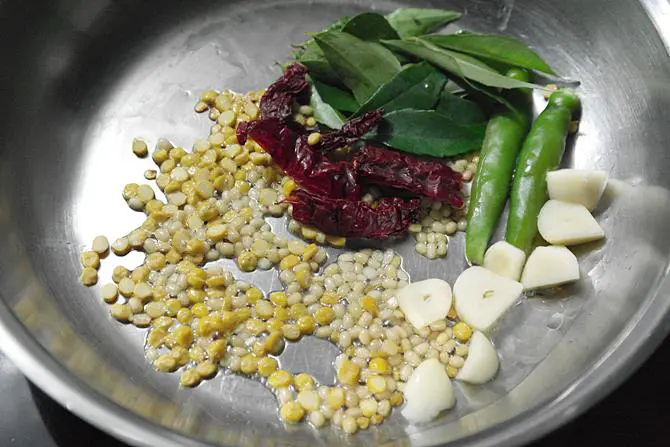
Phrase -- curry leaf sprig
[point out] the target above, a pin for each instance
(435, 89)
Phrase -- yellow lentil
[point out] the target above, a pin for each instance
(379, 365)
(292, 412)
(329, 298)
(462, 332)
(289, 262)
(324, 316)
(279, 299)
(280, 379)
(267, 366)
(349, 372)
(274, 343)
(303, 381)
(206, 370)
(369, 304)
(306, 324)
(335, 398)
(249, 364)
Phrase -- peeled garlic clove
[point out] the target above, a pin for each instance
(482, 363)
(577, 186)
(427, 392)
(481, 297)
(549, 267)
(424, 302)
(563, 223)
(504, 259)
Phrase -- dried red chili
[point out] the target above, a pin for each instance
(372, 165)
(350, 132)
(277, 101)
(302, 163)
(330, 190)
(384, 167)
(242, 131)
(355, 219)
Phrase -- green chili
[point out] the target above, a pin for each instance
(541, 152)
(504, 137)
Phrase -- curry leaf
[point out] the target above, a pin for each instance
(411, 22)
(502, 49)
(417, 86)
(337, 25)
(362, 66)
(310, 55)
(487, 96)
(337, 98)
(323, 112)
(313, 58)
(459, 64)
(459, 110)
(371, 27)
(427, 132)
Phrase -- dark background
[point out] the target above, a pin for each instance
(634, 415)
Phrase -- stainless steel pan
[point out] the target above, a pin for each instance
(81, 78)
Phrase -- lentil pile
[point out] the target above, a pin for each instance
(200, 319)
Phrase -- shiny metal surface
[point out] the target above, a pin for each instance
(82, 78)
